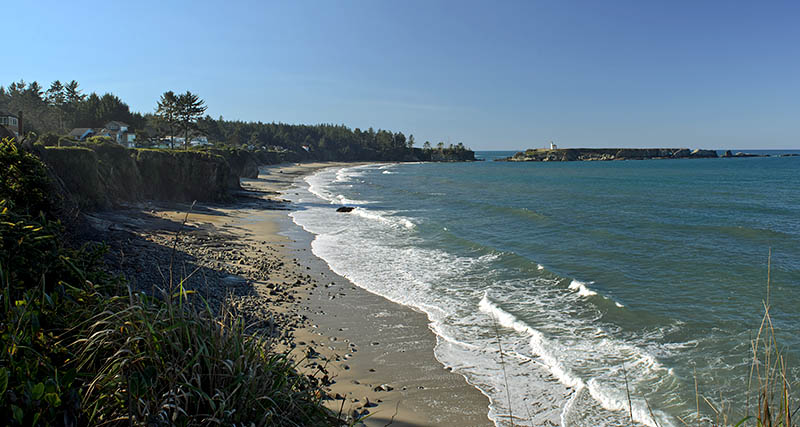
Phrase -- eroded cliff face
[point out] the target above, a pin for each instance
(184, 175)
(594, 154)
(106, 174)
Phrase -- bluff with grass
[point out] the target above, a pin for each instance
(103, 174)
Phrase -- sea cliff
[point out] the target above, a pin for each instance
(599, 154)
(104, 175)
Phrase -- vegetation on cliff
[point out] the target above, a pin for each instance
(78, 346)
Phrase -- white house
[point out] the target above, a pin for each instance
(553, 146)
(117, 131)
(10, 122)
(179, 141)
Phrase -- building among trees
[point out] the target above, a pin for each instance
(10, 123)
(118, 131)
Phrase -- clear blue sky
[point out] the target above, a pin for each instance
(493, 75)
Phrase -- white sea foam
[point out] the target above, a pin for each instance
(385, 218)
(539, 267)
(319, 184)
(552, 354)
(581, 288)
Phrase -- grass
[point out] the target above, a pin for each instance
(166, 361)
(769, 399)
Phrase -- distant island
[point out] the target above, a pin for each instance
(604, 154)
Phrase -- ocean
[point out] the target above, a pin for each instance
(612, 288)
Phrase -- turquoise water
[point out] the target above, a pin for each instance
(590, 273)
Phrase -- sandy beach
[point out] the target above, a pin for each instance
(375, 356)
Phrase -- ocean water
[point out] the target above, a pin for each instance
(599, 280)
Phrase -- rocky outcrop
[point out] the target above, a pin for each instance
(444, 155)
(604, 154)
(345, 209)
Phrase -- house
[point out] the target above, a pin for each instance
(116, 126)
(80, 134)
(117, 131)
(179, 141)
(11, 123)
(553, 146)
(198, 141)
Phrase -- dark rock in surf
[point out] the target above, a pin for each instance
(345, 209)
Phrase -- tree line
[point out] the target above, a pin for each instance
(62, 107)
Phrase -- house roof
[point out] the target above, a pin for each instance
(78, 132)
(7, 114)
(6, 133)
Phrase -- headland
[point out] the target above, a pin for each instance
(604, 154)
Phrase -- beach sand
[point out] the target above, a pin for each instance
(378, 354)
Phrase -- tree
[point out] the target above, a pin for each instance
(167, 112)
(440, 146)
(55, 95)
(56, 98)
(410, 142)
(73, 94)
(426, 145)
(189, 108)
(73, 98)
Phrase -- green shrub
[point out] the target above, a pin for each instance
(46, 289)
(49, 139)
(99, 140)
(23, 179)
(66, 142)
(78, 347)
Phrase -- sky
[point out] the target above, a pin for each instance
(494, 75)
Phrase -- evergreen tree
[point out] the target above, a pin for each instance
(189, 108)
(167, 111)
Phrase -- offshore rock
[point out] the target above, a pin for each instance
(345, 209)
(605, 154)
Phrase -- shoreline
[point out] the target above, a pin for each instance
(381, 352)
(373, 356)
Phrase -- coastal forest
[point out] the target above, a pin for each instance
(53, 111)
